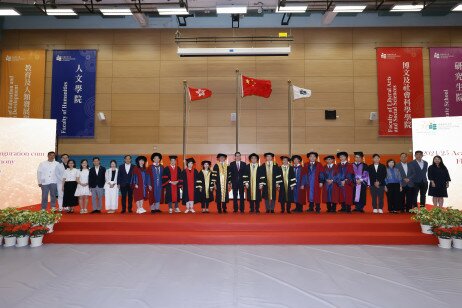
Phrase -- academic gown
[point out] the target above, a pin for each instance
(286, 194)
(142, 179)
(191, 186)
(298, 193)
(330, 191)
(202, 182)
(345, 172)
(156, 195)
(249, 180)
(276, 179)
(311, 177)
(172, 192)
(216, 180)
(359, 191)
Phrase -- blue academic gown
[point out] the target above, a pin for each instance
(298, 178)
(156, 173)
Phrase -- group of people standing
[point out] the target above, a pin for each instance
(313, 183)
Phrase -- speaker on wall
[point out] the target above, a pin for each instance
(330, 114)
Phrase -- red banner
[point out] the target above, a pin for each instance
(400, 89)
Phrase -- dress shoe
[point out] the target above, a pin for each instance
(153, 211)
(122, 212)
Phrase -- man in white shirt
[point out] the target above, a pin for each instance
(59, 178)
(46, 178)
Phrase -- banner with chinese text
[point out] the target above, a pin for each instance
(446, 81)
(400, 89)
(73, 92)
(23, 83)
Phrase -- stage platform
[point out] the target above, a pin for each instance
(236, 228)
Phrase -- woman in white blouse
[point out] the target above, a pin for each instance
(69, 186)
(110, 188)
(83, 190)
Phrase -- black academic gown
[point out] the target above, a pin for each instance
(201, 182)
(277, 179)
(217, 183)
(292, 181)
(247, 179)
(166, 178)
(195, 186)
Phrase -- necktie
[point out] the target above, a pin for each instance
(238, 165)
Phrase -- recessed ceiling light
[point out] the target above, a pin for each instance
(173, 11)
(407, 8)
(292, 9)
(349, 8)
(232, 9)
(9, 12)
(116, 12)
(61, 12)
(457, 8)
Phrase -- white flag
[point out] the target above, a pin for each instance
(300, 92)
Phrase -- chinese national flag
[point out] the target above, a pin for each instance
(258, 87)
(197, 94)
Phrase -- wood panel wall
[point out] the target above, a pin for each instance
(139, 88)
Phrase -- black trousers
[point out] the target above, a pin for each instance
(421, 188)
(407, 198)
(393, 197)
(241, 200)
(286, 206)
(221, 206)
(345, 208)
(311, 207)
(331, 207)
(205, 204)
(298, 207)
(254, 206)
(126, 191)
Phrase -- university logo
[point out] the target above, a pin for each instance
(383, 55)
(8, 58)
(432, 126)
(436, 55)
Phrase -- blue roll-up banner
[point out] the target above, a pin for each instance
(73, 93)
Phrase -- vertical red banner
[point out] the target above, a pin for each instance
(400, 89)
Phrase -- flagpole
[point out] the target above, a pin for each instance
(237, 109)
(289, 102)
(185, 86)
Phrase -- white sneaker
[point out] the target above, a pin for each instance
(142, 211)
(170, 211)
(192, 210)
(380, 211)
(177, 210)
(187, 211)
(375, 211)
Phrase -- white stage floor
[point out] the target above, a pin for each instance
(230, 276)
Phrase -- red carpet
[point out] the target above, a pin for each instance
(213, 228)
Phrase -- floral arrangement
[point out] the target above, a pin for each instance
(21, 229)
(457, 232)
(421, 215)
(438, 216)
(8, 230)
(443, 232)
(37, 231)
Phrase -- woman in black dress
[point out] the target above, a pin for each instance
(439, 178)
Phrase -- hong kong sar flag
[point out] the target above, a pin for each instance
(197, 94)
(258, 87)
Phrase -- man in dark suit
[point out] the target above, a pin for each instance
(420, 180)
(96, 181)
(124, 178)
(407, 174)
(237, 169)
(377, 174)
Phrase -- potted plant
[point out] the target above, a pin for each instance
(36, 234)
(454, 217)
(457, 237)
(424, 218)
(21, 232)
(9, 235)
(53, 218)
(444, 236)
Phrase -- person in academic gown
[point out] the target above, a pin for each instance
(330, 189)
(221, 179)
(191, 185)
(237, 168)
(298, 192)
(204, 179)
(141, 183)
(156, 170)
(254, 182)
(272, 179)
(171, 181)
(312, 182)
(361, 182)
(345, 182)
(286, 192)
